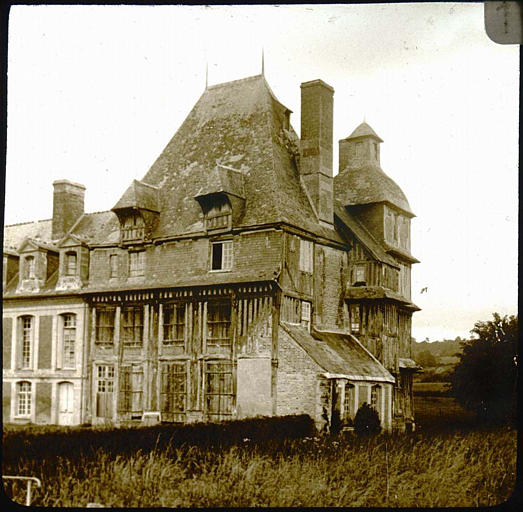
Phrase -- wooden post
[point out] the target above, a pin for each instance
(275, 313)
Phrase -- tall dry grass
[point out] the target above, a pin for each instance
(474, 468)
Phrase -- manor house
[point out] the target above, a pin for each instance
(237, 278)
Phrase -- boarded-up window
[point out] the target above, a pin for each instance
(219, 215)
(45, 341)
(24, 398)
(173, 324)
(218, 324)
(25, 345)
(133, 228)
(68, 340)
(114, 263)
(132, 326)
(173, 391)
(136, 263)
(130, 399)
(291, 310)
(104, 391)
(105, 324)
(306, 256)
(219, 393)
(70, 264)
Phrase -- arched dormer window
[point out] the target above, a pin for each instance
(29, 267)
(133, 227)
(70, 263)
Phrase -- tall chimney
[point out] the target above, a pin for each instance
(68, 206)
(316, 147)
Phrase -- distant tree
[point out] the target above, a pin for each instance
(484, 380)
(367, 421)
(426, 359)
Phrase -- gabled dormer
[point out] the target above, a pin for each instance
(73, 263)
(138, 212)
(222, 198)
(38, 261)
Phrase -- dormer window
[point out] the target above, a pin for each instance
(133, 227)
(29, 267)
(70, 264)
(219, 215)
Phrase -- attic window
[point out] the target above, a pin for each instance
(219, 215)
(133, 227)
(221, 257)
(70, 264)
(29, 267)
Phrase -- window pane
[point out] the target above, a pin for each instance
(68, 341)
(26, 343)
(219, 393)
(218, 323)
(173, 391)
(24, 398)
(217, 250)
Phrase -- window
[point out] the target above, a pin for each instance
(291, 310)
(133, 228)
(221, 258)
(26, 342)
(68, 340)
(218, 388)
(70, 264)
(105, 324)
(104, 391)
(349, 400)
(173, 391)
(219, 215)
(375, 144)
(306, 314)
(306, 256)
(358, 274)
(218, 323)
(354, 311)
(136, 263)
(173, 324)
(375, 397)
(29, 267)
(131, 390)
(23, 398)
(114, 263)
(132, 325)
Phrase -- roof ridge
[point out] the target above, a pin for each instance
(224, 84)
(27, 222)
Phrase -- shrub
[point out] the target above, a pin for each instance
(367, 421)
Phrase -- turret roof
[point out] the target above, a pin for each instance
(364, 130)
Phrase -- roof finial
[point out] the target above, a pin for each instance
(263, 62)
(206, 75)
(364, 118)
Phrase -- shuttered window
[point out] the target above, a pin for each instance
(130, 399)
(218, 388)
(136, 263)
(306, 256)
(173, 391)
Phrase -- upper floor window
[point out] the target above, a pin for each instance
(114, 262)
(218, 323)
(173, 324)
(29, 267)
(68, 340)
(132, 325)
(355, 322)
(219, 215)
(221, 257)
(306, 314)
(24, 398)
(358, 274)
(26, 337)
(70, 263)
(136, 263)
(105, 324)
(133, 227)
(306, 256)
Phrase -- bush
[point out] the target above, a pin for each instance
(367, 421)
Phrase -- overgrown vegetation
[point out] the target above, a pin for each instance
(468, 467)
(367, 421)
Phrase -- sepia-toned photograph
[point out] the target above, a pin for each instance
(261, 255)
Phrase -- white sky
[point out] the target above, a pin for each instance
(96, 92)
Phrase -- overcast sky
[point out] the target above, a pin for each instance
(96, 92)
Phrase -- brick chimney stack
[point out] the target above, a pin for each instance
(316, 147)
(68, 206)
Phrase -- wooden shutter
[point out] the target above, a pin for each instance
(45, 342)
(42, 397)
(6, 401)
(7, 329)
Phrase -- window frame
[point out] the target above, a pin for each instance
(178, 318)
(114, 265)
(26, 344)
(131, 392)
(306, 263)
(136, 328)
(226, 389)
(137, 263)
(226, 258)
(29, 267)
(173, 391)
(133, 227)
(108, 328)
(68, 339)
(71, 269)
(27, 395)
(306, 314)
(221, 324)
(105, 380)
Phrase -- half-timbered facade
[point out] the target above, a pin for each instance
(237, 278)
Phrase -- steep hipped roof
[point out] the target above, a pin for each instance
(139, 195)
(15, 234)
(339, 354)
(368, 184)
(237, 124)
(363, 130)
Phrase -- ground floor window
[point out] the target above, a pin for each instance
(349, 400)
(23, 398)
(173, 391)
(130, 399)
(218, 388)
(104, 391)
(375, 398)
